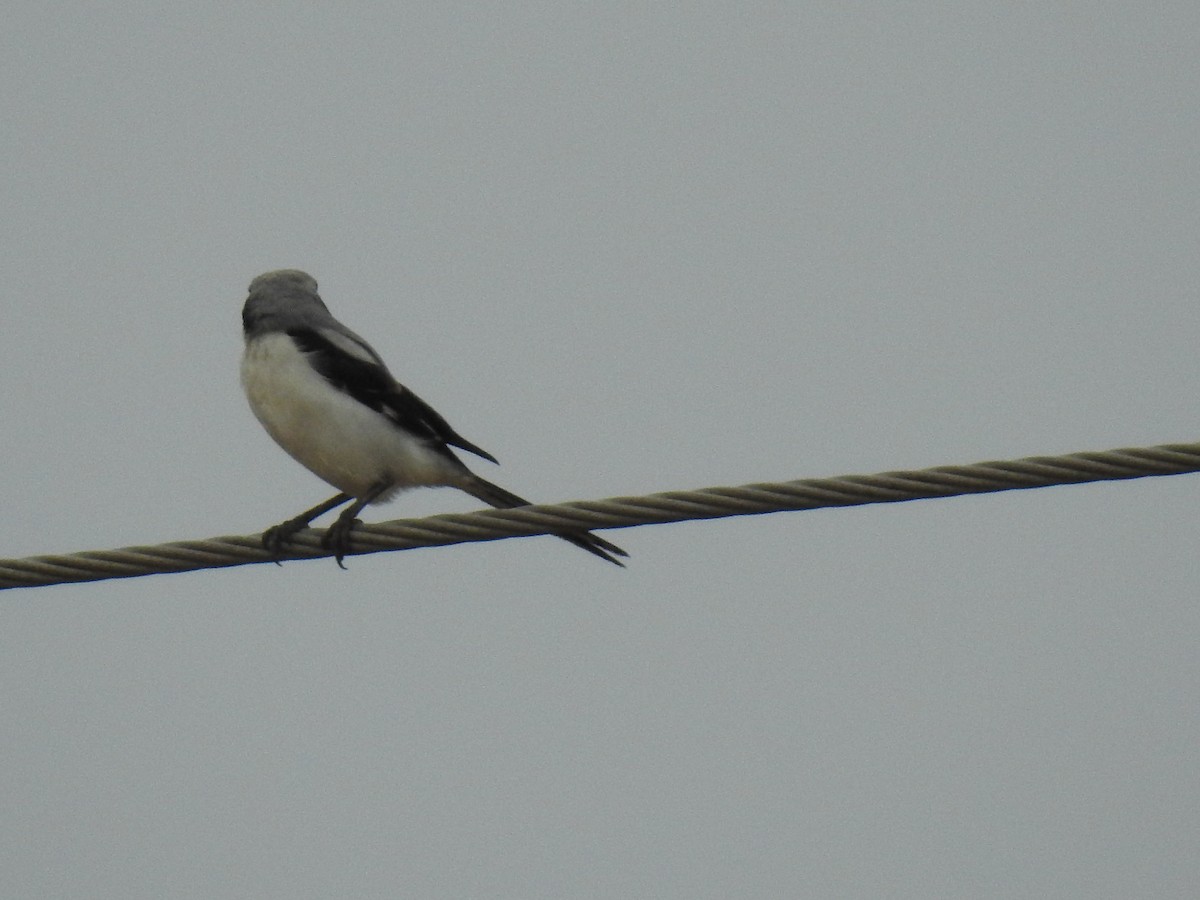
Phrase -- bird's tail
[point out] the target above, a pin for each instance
(494, 495)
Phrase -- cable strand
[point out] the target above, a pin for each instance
(617, 512)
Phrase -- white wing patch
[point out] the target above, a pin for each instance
(358, 349)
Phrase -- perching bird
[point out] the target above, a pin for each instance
(327, 398)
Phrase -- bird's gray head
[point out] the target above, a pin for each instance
(280, 300)
(284, 279)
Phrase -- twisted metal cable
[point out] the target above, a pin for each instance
(618, 512)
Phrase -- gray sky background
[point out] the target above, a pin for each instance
(626, 248)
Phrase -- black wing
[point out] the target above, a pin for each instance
(368, 381)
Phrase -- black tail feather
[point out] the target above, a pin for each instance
(494, 495)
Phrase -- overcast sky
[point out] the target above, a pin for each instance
(626, 248)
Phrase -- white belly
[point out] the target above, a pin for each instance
(333, 435)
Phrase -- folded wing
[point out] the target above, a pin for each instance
(351, 366)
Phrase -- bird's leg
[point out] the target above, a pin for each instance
(337, 537)
(276, 536)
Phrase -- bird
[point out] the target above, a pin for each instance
(327, 398)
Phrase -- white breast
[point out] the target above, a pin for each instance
(330, 433)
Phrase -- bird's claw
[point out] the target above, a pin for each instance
(274, 538)
(337, 538)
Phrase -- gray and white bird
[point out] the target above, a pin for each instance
(327, 398)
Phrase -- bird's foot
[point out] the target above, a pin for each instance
(337, 536)
(276, 536)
